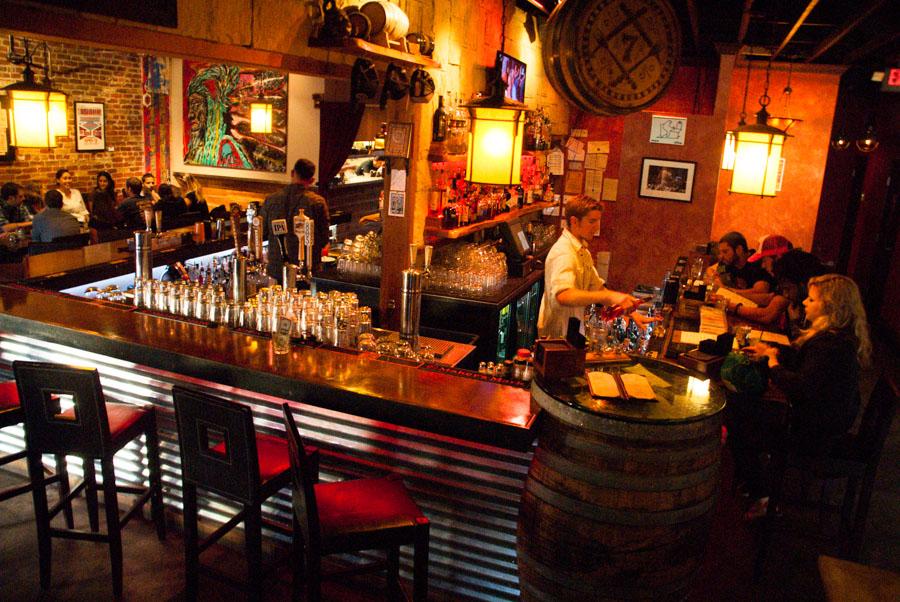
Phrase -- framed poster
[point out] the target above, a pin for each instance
(90, 127)
(397, 142)
(665, 179)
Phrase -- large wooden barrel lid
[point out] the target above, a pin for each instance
(612, 56)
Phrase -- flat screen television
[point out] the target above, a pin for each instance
(511, 72)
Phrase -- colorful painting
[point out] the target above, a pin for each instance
(216, 112)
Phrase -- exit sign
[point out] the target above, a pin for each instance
(891, 81)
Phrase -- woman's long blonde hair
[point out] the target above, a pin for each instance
(842, 310)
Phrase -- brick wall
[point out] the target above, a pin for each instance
(91, 75)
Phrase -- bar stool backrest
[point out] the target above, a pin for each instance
(218, 445)
(876, 420)
(45, 391)
(304, 493)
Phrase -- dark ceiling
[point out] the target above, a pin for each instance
(832, 32)
(862, 33)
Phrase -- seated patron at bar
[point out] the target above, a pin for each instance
(104, 217)
(819, 373)
(571, 282)
(130, 209)
(13, 214)
(53, 222)
(734, 270)
(172, 206)
(73, 202)
(783, 308)
(285, 205)
(148, 187)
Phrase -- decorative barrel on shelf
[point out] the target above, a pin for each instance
(611, 57)
(615, 509)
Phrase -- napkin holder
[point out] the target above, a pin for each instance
(556, 359)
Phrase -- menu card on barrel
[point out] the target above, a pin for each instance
(623, 386)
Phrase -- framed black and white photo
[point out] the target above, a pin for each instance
(90, 127)
(666, 179)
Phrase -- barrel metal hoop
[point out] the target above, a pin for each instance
(631, 518)
(707, 425)
(619, 480)
(576, 440)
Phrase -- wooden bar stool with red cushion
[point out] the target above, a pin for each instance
(222, 453)
(350, 516)
(10, 414)
(93, 430)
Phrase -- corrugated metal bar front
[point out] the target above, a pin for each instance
(469, 491)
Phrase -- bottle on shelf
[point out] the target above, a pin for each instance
(439, 122)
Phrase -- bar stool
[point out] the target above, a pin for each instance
(222, 453)
(350, 516)
(93, 430)
(10, 414)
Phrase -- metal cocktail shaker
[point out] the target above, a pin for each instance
(411, 298)
(238, 279)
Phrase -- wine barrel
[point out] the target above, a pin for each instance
(613, 508)
(611, 57)
(386, 17)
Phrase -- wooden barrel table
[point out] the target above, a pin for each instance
(619, 496)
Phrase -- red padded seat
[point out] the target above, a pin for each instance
(273, 455)
(9, 395)
(364, 505)
(121, 416)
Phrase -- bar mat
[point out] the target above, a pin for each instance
(346, 350)
(475, 375)
(175, 317)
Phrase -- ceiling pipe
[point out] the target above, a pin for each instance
(745, 21)
(839, 35)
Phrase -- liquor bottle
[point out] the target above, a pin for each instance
(439, 122)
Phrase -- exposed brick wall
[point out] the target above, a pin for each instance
(90, 75)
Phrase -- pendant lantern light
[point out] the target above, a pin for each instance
(758, 149)
(37, 113)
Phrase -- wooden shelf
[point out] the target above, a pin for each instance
(358, 47)
(503, 217)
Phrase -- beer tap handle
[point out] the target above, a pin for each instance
(413, 255)
(235, 214)
(429, 251)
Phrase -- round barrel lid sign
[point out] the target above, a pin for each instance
(612, 57)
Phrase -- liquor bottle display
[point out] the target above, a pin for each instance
(439, 122)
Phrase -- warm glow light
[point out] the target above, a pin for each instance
(757, 153)
(261, 118)
(59, 122)
(728, 153)
(495, 146)
(30, 123)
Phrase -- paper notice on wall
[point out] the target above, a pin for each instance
(575, 182)
(555, 161)
(598, 146)
(576, 165)
(398, 180)
(575, 149)
(397, 204)
(580, 133)
(596, 161)
(593, 183)
(610, 189)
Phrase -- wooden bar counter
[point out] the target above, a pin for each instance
(462, 445)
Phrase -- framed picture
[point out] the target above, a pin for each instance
(665, 179)
(398, 137)
(90, 127)
(668, 130)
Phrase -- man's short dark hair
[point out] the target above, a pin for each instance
(10, 189)
(53, 198)
(734, 240)
(305, 169)
(147, 175)
(134, 186)
(581, 205)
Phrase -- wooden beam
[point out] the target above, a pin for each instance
(67, 27)
(745, 21)
(695, 23)
(871, 46)
(837, 36)
(796, 27)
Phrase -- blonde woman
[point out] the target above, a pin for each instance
(819, 372)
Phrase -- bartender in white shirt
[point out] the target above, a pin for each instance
(571, 282)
